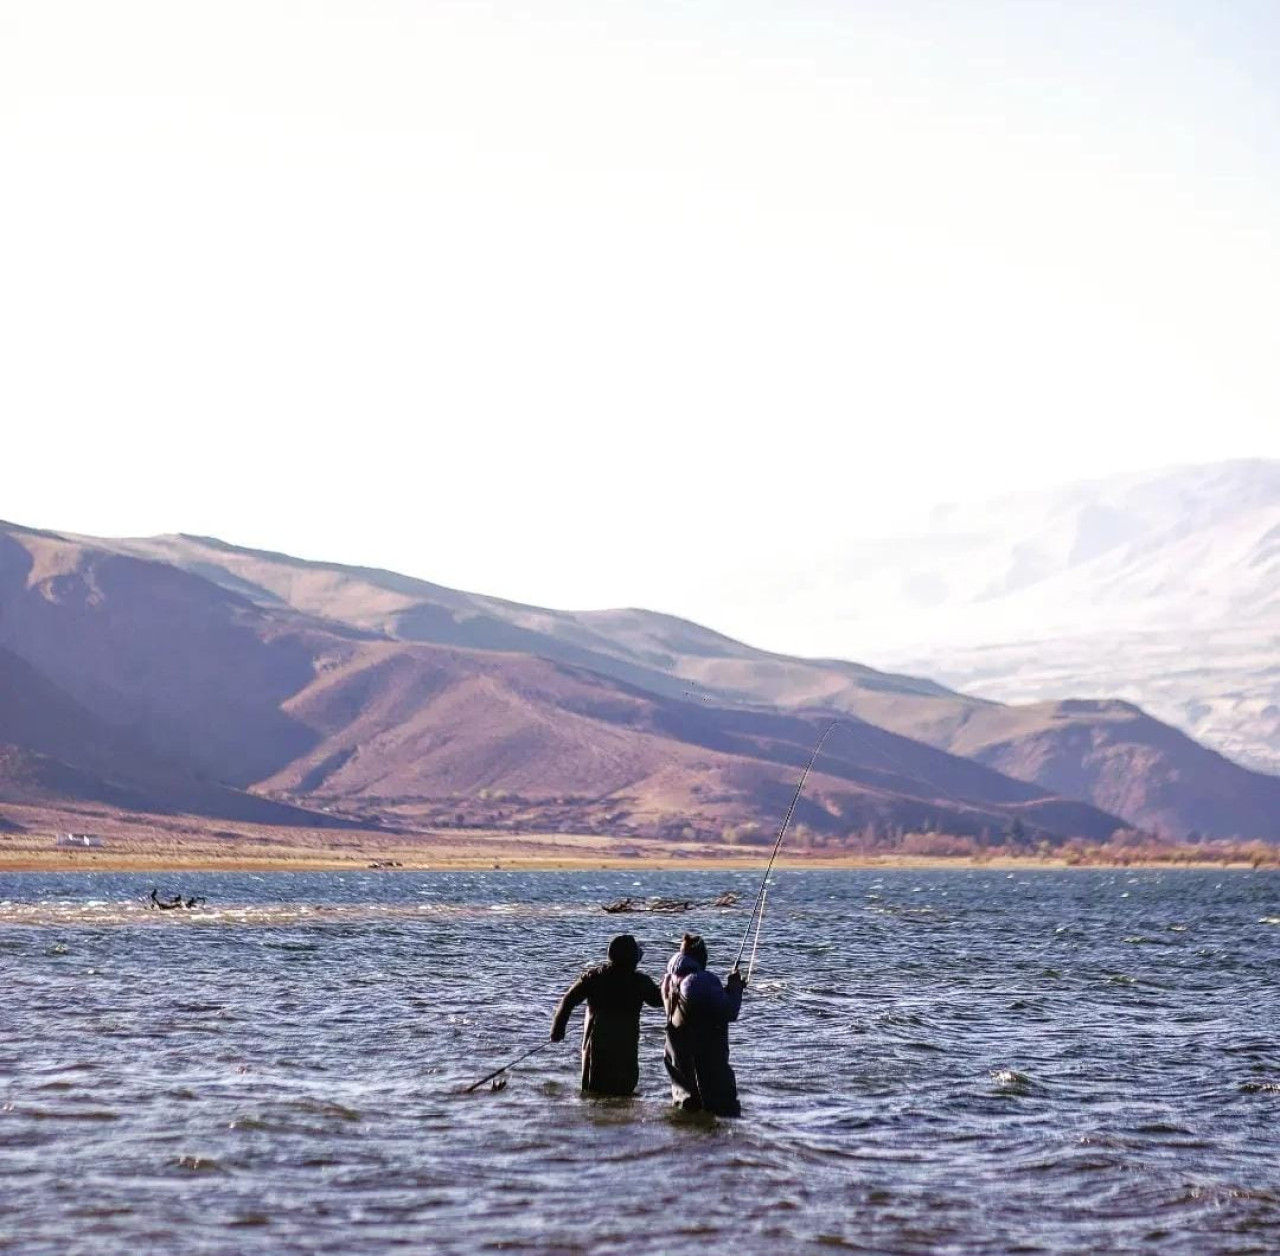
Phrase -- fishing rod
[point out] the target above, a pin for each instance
(488, 1077)
(757, 908)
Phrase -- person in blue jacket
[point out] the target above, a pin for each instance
(699, 1010)
(614, 993)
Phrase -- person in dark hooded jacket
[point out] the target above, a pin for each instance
(699, 1010)
(614, 993)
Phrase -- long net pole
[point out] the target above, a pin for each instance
(488, 1077)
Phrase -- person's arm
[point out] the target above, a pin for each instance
(575, 994)
(722, 1002)
(649, 991)
(733, 989)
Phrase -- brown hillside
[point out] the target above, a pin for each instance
(164, 663)
(195, 673)
(1134, 766)
(419, 722)
(52, 750)
(1128, 762)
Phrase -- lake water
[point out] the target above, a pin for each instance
(951, 1061)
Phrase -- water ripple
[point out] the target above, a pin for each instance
(963, 1061)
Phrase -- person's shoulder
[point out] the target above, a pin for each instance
(701, 982)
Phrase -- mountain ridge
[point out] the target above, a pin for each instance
(277, 700)
(671, 656)
(1182, 615)
(314, 635)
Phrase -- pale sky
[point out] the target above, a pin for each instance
(598, 303)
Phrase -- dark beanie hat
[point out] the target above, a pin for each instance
(624, 949)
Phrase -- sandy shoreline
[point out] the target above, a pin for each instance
(471, 859)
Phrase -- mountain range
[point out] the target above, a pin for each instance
(1159, 588)
(180, 674)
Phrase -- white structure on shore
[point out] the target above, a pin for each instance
(82, 841)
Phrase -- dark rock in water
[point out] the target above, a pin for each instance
(624, 904)
(671, 905)
(170, 904)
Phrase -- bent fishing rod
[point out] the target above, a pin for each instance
(757, 908)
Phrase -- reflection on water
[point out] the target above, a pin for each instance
(946, 1061)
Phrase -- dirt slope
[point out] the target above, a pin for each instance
(1130, 765)
(162, 683)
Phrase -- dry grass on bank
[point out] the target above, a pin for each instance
(151, 843)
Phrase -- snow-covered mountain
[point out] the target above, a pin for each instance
(1160, 588)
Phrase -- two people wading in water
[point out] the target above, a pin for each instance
(698, 1010)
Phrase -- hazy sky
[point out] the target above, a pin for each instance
(602, 303)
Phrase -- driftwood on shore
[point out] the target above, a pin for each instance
(669, 905)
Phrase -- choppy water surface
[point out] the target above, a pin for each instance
(946, 1061)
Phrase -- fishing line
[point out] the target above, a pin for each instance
(755, 946)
